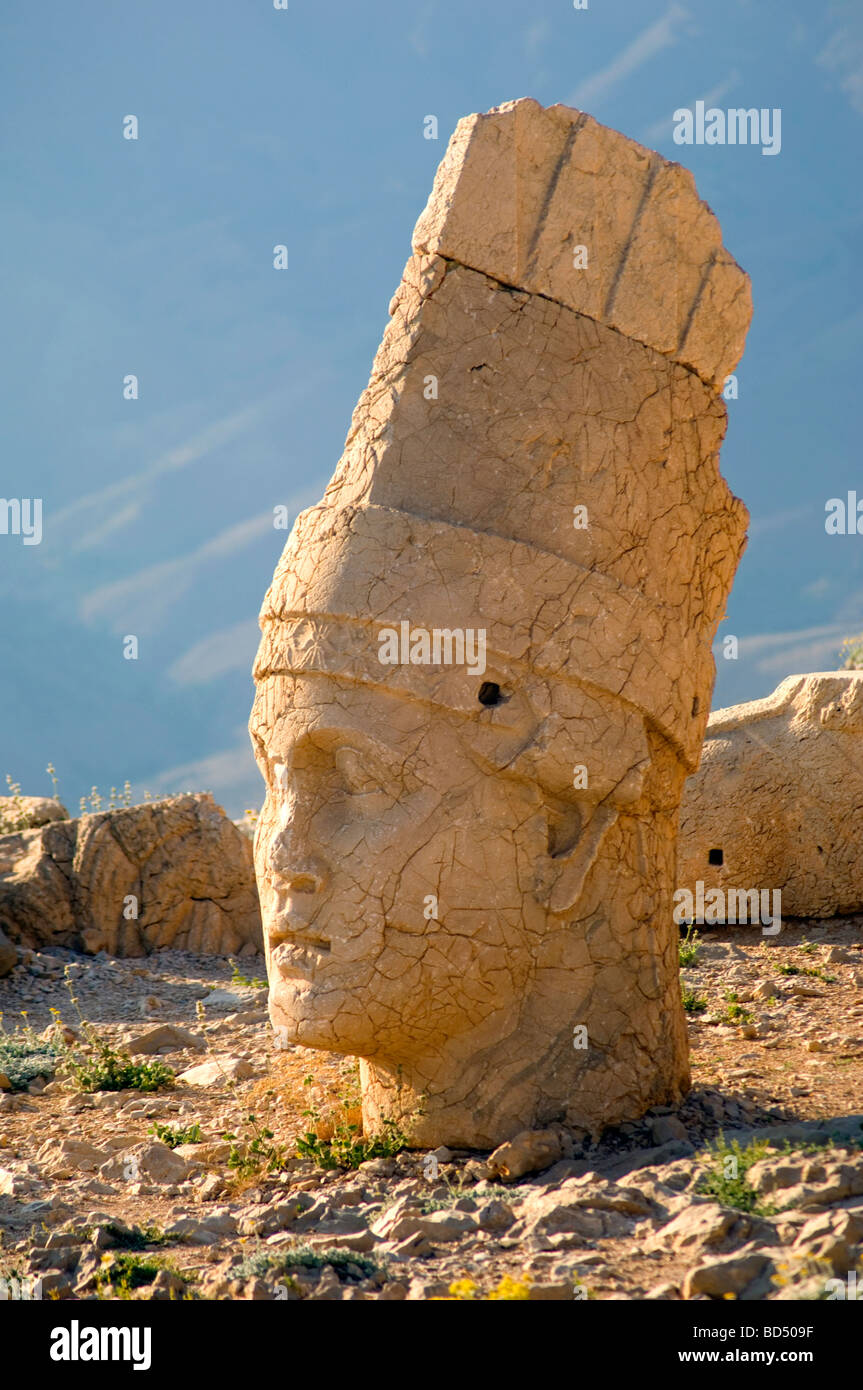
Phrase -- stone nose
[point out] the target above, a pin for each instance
(291, 871)
(303, 881)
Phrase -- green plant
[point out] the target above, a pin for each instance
(816, 972)
(116, 800)
(344, 1146)
(251, 1156)
(175, 1137)
(728, 1182)
(440, 1203)
(97, 1066)
(454, 1191)
(735, 1013)
(237, 978)
(121, 1273)
(807, 1147)
(692, 1003)
(346, 1149)
(134, 1237)
(24, 1056)
(101, 1067)
(346, 1263)
(687, 948)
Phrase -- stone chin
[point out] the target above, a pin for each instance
(310, 1013)
(297, 1017)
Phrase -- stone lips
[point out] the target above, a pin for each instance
(780, 792)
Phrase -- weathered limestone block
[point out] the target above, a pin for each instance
(486, 665)
(25, 812)
(185, 865)
(521, 187)
(779, 798)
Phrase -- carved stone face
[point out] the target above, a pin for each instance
(443, 900)
(395, 874)
(430, 906)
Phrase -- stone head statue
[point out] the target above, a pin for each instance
(485, 668)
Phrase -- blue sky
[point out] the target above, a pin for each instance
(305, 127)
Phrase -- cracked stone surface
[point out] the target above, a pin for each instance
(444, 895)
(186, 864)
(780, 793)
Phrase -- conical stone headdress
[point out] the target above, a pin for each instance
(536, 454)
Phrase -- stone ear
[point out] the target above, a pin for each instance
(561, 877)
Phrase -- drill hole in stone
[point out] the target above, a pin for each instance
(714, 856)
(490, 693)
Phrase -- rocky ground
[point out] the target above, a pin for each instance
(93, 1204)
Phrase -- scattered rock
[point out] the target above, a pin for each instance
(207, 1151)
(217, 1073)
(147, 1162)
(495, 1216)
(67, 1157)
(191, 1232)
(163, 1037)
(697, 1226)
(528, 1152)
(731, 1275)
(666, 1128)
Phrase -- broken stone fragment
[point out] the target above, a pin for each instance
(732, 1275)
(777, 803)
(163, 1037)
(152, 1162)
(172, 873)
(528, 1152)
(65, 1158)
(26, 812)
(217, 1072)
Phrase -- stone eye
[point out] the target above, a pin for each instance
(358, 778)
